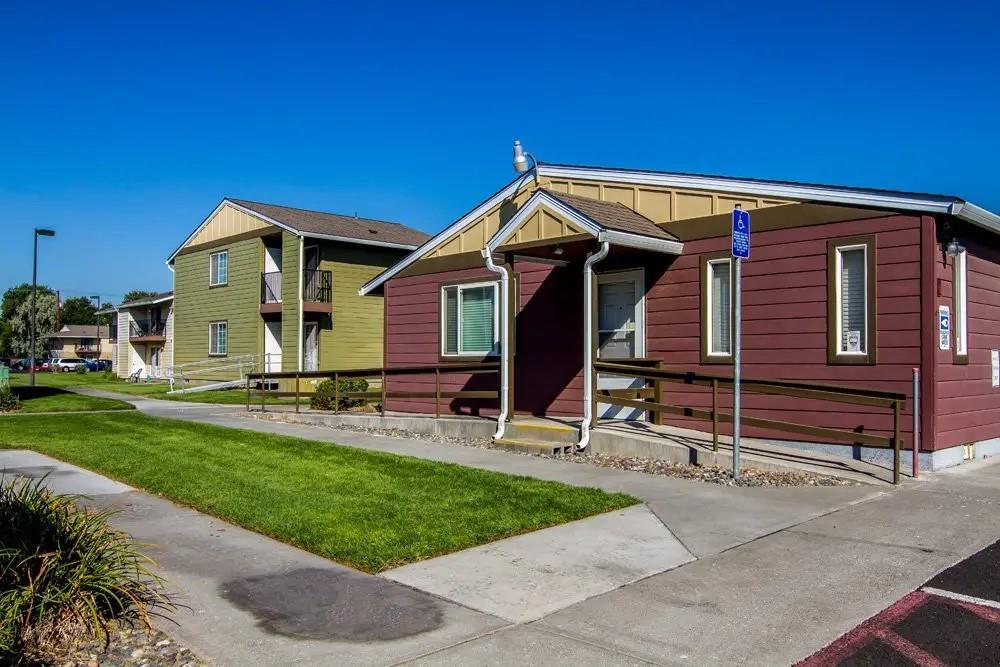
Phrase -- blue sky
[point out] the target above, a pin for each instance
(123, 125)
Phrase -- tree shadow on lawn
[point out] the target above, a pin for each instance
(26, 393)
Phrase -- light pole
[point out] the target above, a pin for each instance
(98, 297)
(34, 288)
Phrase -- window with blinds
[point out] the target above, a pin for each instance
(720, 307)
(852, 272)
(469, 319)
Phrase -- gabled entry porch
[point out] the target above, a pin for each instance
(588, 306)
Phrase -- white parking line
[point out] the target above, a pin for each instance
(961, 598)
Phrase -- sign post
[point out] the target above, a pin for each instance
(741, 251)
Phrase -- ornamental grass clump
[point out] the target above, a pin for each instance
(8, 399)
(65, 574)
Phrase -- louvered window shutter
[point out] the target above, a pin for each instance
(477, 319)
(721, 308)
(451, 320)
(853, 301)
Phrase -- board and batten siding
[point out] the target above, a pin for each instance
(354, 338)
(967, 405)
(238, 303)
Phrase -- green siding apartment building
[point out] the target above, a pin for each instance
(277, 287)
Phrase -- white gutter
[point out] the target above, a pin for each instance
(504, 340)
(589, 381)
(641, 242)
(302, 245)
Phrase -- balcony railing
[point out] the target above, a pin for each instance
(147, 329)
(86, 349)
(270, 287)
(317, 286)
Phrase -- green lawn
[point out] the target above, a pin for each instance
(365, 509)
(149, 390)
(53, 399)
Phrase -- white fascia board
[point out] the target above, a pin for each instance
(640, 242)
(539, 199)
(211, 215)
(442, 236)
(357, 241)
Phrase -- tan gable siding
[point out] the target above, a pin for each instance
(659, 204)
(226, 222)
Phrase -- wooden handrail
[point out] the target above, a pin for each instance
(808, 390)
(382, 393)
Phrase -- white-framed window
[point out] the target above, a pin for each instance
(851, 290)
(469, 319)
(960, 318)
(218, 272)
(218, 339)
(718, 325)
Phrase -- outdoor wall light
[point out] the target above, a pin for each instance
(954, 248)
(558, 250)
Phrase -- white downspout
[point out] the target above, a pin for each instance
(588, 344)
(302, 244)
(504, 338)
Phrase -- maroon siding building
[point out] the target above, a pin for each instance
(844, 286)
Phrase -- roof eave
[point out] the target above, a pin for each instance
(352, 239)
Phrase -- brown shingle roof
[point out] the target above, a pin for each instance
(612, 215)
(334, 224)
(80, 331)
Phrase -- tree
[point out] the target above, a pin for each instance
(137, 294)
(12, 298)
(78, 310)
(20, 325)
(17, 295)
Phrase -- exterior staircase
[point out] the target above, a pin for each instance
(539, 436)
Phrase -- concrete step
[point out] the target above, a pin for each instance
(533, 446)
(549, 432)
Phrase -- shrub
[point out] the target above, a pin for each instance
(323, 398)
(8, 399)
(65, 573)
(109, 374)
(80, 370)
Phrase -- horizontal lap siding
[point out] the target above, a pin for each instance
(547, 368)
(785, 324)
(968, 406)
(238, 303)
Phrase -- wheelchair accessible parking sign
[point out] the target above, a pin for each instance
(741, 234)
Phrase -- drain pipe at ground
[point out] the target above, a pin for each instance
(504, 338)
(588, 344)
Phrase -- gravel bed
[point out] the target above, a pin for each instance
(127, 648)
(710, 474)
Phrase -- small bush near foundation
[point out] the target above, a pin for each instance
(65, 574)
(109, 374)
(8, 399)
(81, 370)
(323, 398)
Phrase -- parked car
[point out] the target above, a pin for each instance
(67, 365)
(98, 364)
(24, 365)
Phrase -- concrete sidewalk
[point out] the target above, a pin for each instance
(780, 572)
(706, 518)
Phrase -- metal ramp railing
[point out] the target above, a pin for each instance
(215, 373)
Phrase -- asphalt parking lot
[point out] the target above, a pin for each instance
(953, 619)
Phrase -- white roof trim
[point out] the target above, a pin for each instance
(541, 198)
(144, 302)
(443, 235)
(592, 227)
(816, 193)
